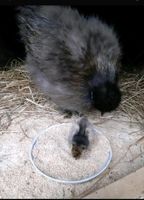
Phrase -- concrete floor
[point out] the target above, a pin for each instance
(129, 187)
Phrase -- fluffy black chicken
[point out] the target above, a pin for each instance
(72, 58)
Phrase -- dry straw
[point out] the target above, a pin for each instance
(18, 95)
(132, 87)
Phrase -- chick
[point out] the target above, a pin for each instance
(80, 140)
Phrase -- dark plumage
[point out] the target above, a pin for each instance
(73, 59)
(80, 140)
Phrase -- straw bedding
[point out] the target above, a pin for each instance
(132, 86)
(19, 95)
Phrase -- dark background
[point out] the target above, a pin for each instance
(128, 22)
